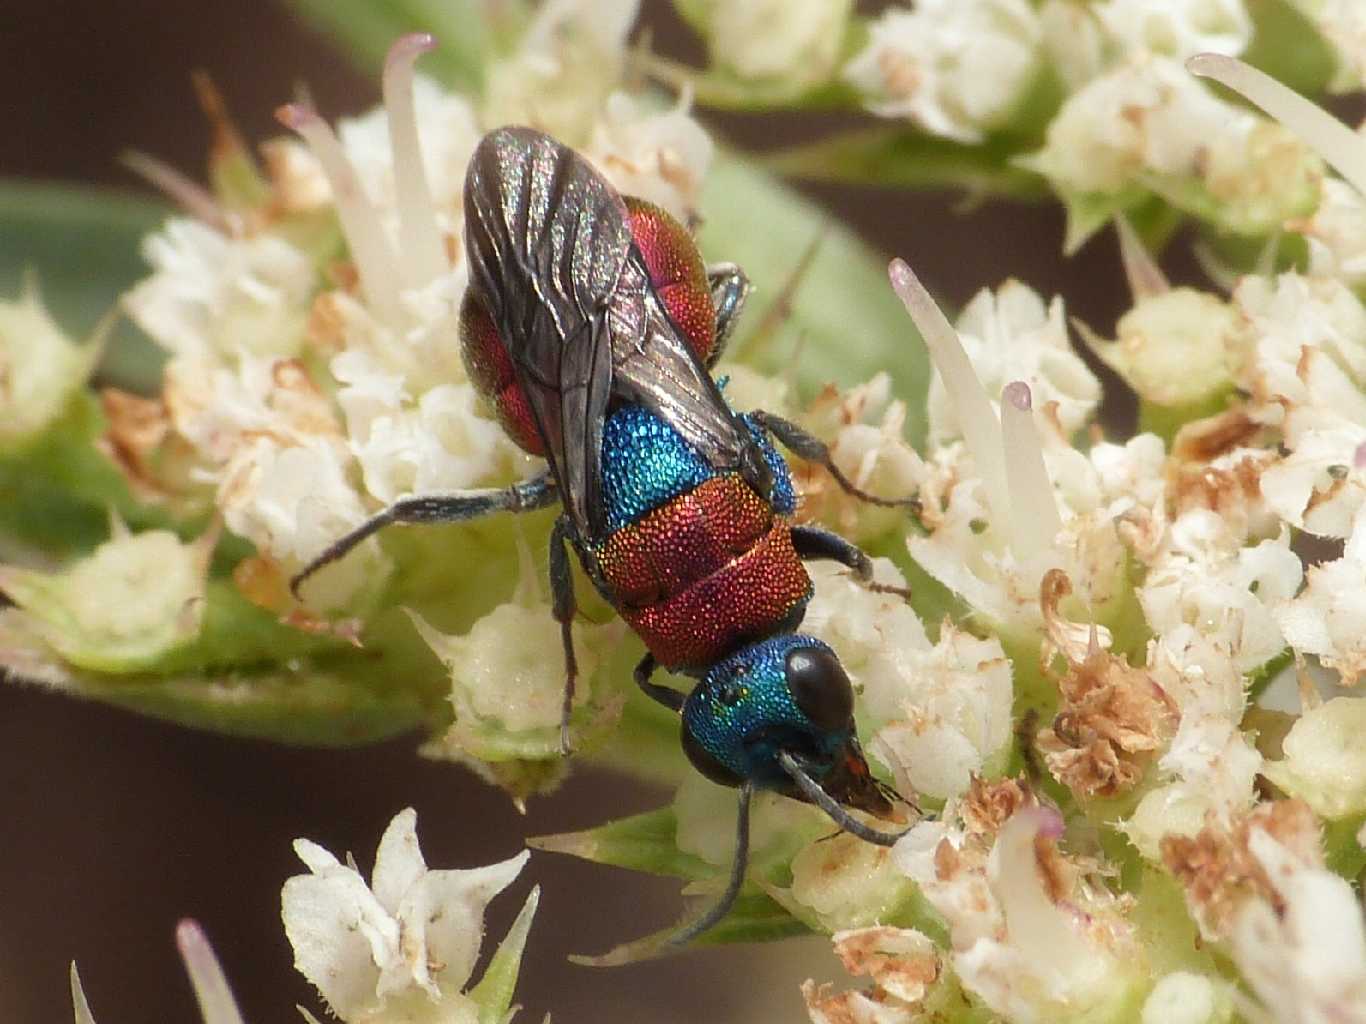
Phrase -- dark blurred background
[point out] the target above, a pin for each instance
(113, 827)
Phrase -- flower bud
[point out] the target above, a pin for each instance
(918, 64)
(1182, 997)
(132, 602)
(794, 41)
(1149, 120)
(1325, 759)
(40, 369)
(1177, 348)
(507, 676)
(845, 883)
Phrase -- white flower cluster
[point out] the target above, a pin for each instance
(957, 68)
(1136, 593)
(399, 949)
(303, 394)
(1123, 117)
(962, 68)
(310, 395)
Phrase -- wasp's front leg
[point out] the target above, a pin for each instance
(813, 449)
(666, 695)
(445, 507)
(812, 543)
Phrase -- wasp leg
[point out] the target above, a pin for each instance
(666, 695)
(737, 877)
(813, 449)
(813, 543)
(447, 507)
(841, 817)
(564, 607)
(729, 290)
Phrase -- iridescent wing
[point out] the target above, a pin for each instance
(550, 252)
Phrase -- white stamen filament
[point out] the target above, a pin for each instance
(981, 429)
(1329, 137)
(78, 1002)
(1145, 277)
(421, 250)
(216, 1004)
(1034, 519)
(189, 195)
(1036, 925)
(370, 248)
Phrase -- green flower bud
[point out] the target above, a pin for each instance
(1178, 348)
(1325, 760)
(40, 368)
(136, 599)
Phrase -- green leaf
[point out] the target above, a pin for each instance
(756, 917)
(316, 703)
(1286, 45)
(1343, 850)
(900, 157)
(83, 244)
(495, 989)
(643, 842)
(1088, 212)
(55, 495)
(845, 323)
(468, 32)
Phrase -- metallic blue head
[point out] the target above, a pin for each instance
(787, 693)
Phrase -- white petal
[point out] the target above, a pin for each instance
(398, 861)
(447, 909)
(342, 937)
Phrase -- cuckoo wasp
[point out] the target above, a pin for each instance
(591, 324)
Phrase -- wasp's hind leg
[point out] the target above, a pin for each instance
(729, 290)
(669, 697)
(813, 449)
(668, 942)
(722, 907)
(812, 543)
(446, 507)
(564, 608)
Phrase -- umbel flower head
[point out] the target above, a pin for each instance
(1118, 825)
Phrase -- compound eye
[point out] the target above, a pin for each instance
(818, 684)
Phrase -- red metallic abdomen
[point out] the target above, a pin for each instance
(676, 271)
(491, 371)
(709, 570)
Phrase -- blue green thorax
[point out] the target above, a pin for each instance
(646, 463)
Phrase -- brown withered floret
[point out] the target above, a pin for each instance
(1233, 489)
(902, 964)
(986, 806)
(1113, 717)
(899, 961)
(1207, 439)
(155, 460)
(136, 428)
(1218, 871)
